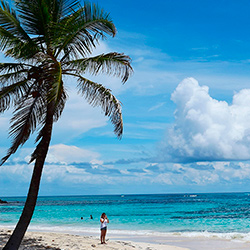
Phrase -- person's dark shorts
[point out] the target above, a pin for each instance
(104, 228)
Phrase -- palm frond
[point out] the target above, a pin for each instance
(12, 67)
(62, 98)
(13, 72)
(8, 40)
(5, 79)
(97, 20)
(15, 47)
(97, 95)
(12, 94)
(49, 74)
(81, 30)
(34, 15)
(67, 8)
(12, 36)
(116, 64)
(10, 22)
(23, 51)
(57, 83)
(25, 120)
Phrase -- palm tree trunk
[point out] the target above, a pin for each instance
(29, 207)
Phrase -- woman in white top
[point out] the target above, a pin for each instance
(104, 221)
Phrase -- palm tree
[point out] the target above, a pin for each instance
(50, 40)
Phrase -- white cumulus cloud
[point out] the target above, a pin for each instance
(208, 129)
(66, 154)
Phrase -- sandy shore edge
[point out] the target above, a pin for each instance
(63, 241)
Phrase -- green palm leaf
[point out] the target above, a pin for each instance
(13, 36)
(25, 120)
(57, 84)
(13, 94)
(97, 95)
(9, 67)
(9, 22)
(81, 30)
(116, 64)
(12, 77)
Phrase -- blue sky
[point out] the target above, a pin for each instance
(186, 108)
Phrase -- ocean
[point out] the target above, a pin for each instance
(224, 215)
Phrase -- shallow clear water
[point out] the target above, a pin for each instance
(166, 213)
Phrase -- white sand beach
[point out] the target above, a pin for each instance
(60, 241)
(64, 241)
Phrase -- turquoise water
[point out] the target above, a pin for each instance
(164, 213)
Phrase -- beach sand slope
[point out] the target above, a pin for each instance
(58, 241)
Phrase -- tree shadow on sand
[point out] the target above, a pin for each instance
(27, 243)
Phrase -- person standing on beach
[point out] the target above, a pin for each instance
(104, 221)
